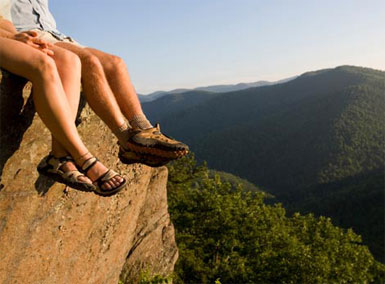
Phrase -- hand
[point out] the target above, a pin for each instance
(30, 38)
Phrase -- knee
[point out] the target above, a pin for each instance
(91, 62)
(44, 67)
(116, 61)
(70, 59)
(68, 62)
(113, 63)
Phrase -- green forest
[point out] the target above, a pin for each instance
(226, 234)
(315, 143)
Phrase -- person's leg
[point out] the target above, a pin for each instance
(120, 83)
(68, 66)
(49, 98)
(143, 137)
(108, 105)
(122, 87)
(96, 89)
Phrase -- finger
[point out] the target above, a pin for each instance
(41, 45)
(31, 33)
(41, 41)
(49, 52)
(24, 36)
(30, 43)
(37, 40)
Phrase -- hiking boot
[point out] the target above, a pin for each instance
(152, 142)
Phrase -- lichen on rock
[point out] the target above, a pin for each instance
(50, 233)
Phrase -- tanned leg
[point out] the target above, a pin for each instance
(120, 82)
(96, 88)
(49, 98)
(68, 66)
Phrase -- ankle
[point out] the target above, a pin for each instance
(121, 132)
(140, 121)
(58, 154)
(80, 160)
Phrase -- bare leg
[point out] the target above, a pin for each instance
(68, 66)
(120, 83)
(49, 98)
(96, 88)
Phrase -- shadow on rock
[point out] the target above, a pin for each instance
(43, 184)
(15, 116)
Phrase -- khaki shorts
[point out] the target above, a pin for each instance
(48, 37)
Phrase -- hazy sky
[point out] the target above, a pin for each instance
(171, 44)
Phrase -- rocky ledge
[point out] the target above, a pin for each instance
(50, 233)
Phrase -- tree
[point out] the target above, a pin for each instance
(226, 233)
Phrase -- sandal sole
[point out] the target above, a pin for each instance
(110, 192)
(172, 154)
(58, 178)
(129, 161)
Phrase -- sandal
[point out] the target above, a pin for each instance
(50, 167)
(108, 175)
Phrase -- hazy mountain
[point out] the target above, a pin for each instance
(322, 128)
(170, 104)
(158, 94)
(215, 88)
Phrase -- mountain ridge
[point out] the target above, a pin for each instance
(322, 127)
(223, 88)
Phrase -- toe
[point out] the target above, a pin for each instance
(119, 179)
(107, 186)
(114, 182)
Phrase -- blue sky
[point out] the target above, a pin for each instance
(170, 44)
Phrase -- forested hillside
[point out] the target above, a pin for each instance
(168, 106)
(323, 128)
(226, 234)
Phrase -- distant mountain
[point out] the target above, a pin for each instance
(171, 104)
(329, 113)
(158, 94)
(215, 88)
(322, 128)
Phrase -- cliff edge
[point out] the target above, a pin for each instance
(50, 233)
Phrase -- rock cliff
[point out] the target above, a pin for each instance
(50, 233)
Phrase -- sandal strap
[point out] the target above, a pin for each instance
(108, 175)
(88, 164)
(56, 163)
(73, 176)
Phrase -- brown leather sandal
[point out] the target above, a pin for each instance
(51, 167)
(107, 176)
